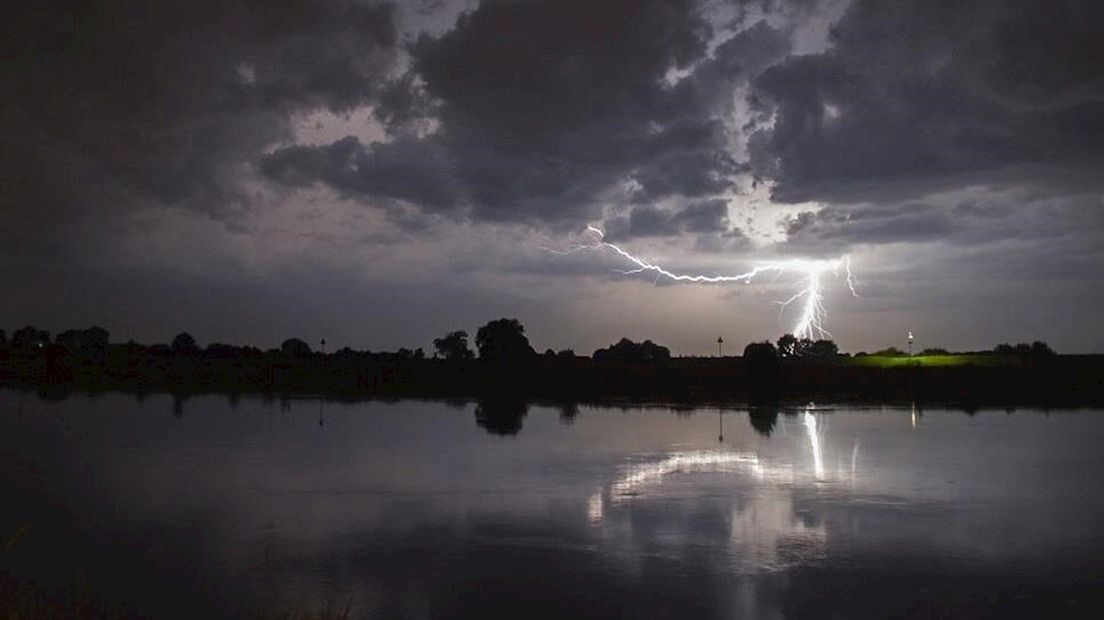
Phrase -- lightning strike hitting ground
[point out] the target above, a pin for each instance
(813, 313)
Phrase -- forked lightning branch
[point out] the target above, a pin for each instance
(810, 296)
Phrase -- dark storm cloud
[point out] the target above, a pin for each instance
(418, 171)
(543, 106)
(912, 91)
(967, 219)
(538, 110)
(836, 227)
(112, 104)
(708, 216)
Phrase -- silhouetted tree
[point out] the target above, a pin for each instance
(567, 354)
(68, 339)
(184, 344)
(628, 351)
(763, 374)
(787, 345)
(1041, 349)
(803, 348)
(29, 338)
(503, 340)
(294, 347)
(93, 339)
(454, 346)
(821, 349)
(217, 350)
(760, 353)
(250, 352)
(3, 339)
(160, 350)
(935, 351)
(1037, 348)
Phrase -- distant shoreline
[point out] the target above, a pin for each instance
(1056, 381)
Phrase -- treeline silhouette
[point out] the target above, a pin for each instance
(500, 364)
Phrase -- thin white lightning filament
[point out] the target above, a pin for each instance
(810, 324)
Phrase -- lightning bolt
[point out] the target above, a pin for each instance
(813, 313)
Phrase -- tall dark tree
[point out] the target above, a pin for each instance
(762, 374)
(294, 347)
(1041, 349)
(787, 345)
(29, 338)
(454, 346)
(70, 340)
(3, 339)
(503, 340)
(184, 344)
(822, 349)
(760, 353)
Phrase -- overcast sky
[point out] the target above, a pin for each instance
(380, 173)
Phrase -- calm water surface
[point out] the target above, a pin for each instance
(213, 507)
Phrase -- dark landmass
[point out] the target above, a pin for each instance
(507, 370)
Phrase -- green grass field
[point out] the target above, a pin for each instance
(932, 361)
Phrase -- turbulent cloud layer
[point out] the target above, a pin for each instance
(915, 94)
(155, 150)
(121, 101)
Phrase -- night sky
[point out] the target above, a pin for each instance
(378, 174)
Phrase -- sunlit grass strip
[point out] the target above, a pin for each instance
(934, 361)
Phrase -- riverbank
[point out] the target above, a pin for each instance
(972, 380)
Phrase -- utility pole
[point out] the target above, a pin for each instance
(910, 343)
(720, 343)
(323, 346)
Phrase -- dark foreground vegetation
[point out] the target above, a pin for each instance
(505, 367)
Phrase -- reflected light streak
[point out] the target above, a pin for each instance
(639, 477)
(854, 460)
(814, 440)
(595, 508)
